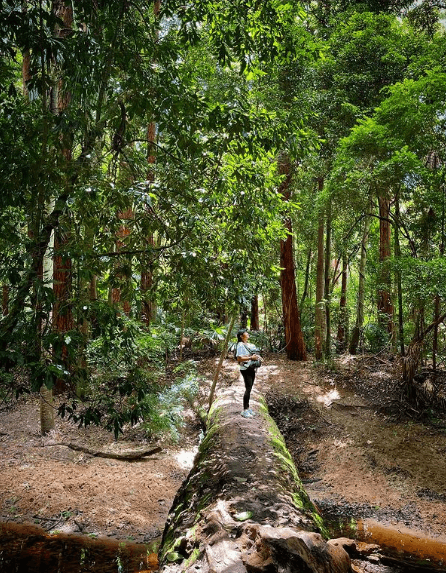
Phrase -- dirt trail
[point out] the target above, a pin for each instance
(355, 461)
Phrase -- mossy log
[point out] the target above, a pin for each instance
(243, 508)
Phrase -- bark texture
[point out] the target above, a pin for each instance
(319, 321)
(343, 312)
(294, 339)
(354, 340)
(242, 508)
(255, 323)
(385, 306)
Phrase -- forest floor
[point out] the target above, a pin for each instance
(360, 452)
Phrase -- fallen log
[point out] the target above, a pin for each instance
(243, 508)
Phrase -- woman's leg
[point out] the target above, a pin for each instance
(248, 376)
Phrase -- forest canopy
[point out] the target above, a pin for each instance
(168, 167)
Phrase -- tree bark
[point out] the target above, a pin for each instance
(319, 309)
(307, 277)
(385, 306)
(148, 309)
(343, 317)
(123, 268)
(327, 288)
(294, 340)
(255, 323)
(398, 279)
(354, 340)
(243, 508)
(62, 312)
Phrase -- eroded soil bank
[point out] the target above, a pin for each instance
(359, 451)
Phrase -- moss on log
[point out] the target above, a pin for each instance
(243, 508)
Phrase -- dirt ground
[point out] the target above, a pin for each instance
(358, 452)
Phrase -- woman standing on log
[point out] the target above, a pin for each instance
(244, 355)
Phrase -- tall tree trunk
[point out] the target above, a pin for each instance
(437, 298)
(294, 340)
(307, 277)
(122, 271)
(385, 306)
(62, 266)
(148, 310)
(327, 281)
(62, 289)
(46, 394)
(354, 340)
(398, 278)
(343, 318)
(255, 323)
(243, 317)
(319, 309)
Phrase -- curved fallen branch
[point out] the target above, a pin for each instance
(130, 456)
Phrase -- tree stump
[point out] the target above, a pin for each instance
(243, 508)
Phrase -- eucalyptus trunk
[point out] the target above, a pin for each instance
(46, 393)
(398, 279)
(148, 306)
(327, 288)
(385, 306)
(62, 289)
(307, 277)
(255, 323)
(343, 317)
(294, 340)
(320, 279)
(356, 332)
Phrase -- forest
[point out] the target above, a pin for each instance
(171, 172)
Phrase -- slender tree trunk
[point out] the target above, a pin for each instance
(307, 277)
(354, 340)
(243, 317)
(398, 278)
(319, 309)
(46, 394)
(62, 265)
(122, 269)
(255, 324)
(435, 335)
(327, 281)
(148, 310)
(437, 298)
(343, 318)
(385, 306)
(294, 340)
(147, 305)
(62, 288)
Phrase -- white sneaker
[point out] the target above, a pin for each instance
(247, 414)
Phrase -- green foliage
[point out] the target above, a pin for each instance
(375, 337)
(125, 388)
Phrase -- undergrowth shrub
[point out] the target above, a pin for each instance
(126, 385)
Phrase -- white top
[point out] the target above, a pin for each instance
(244, 349)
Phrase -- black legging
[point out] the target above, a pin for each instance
(248, 376)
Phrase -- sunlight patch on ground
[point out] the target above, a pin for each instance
(185, 458)
(327, 399)
(339, 444)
